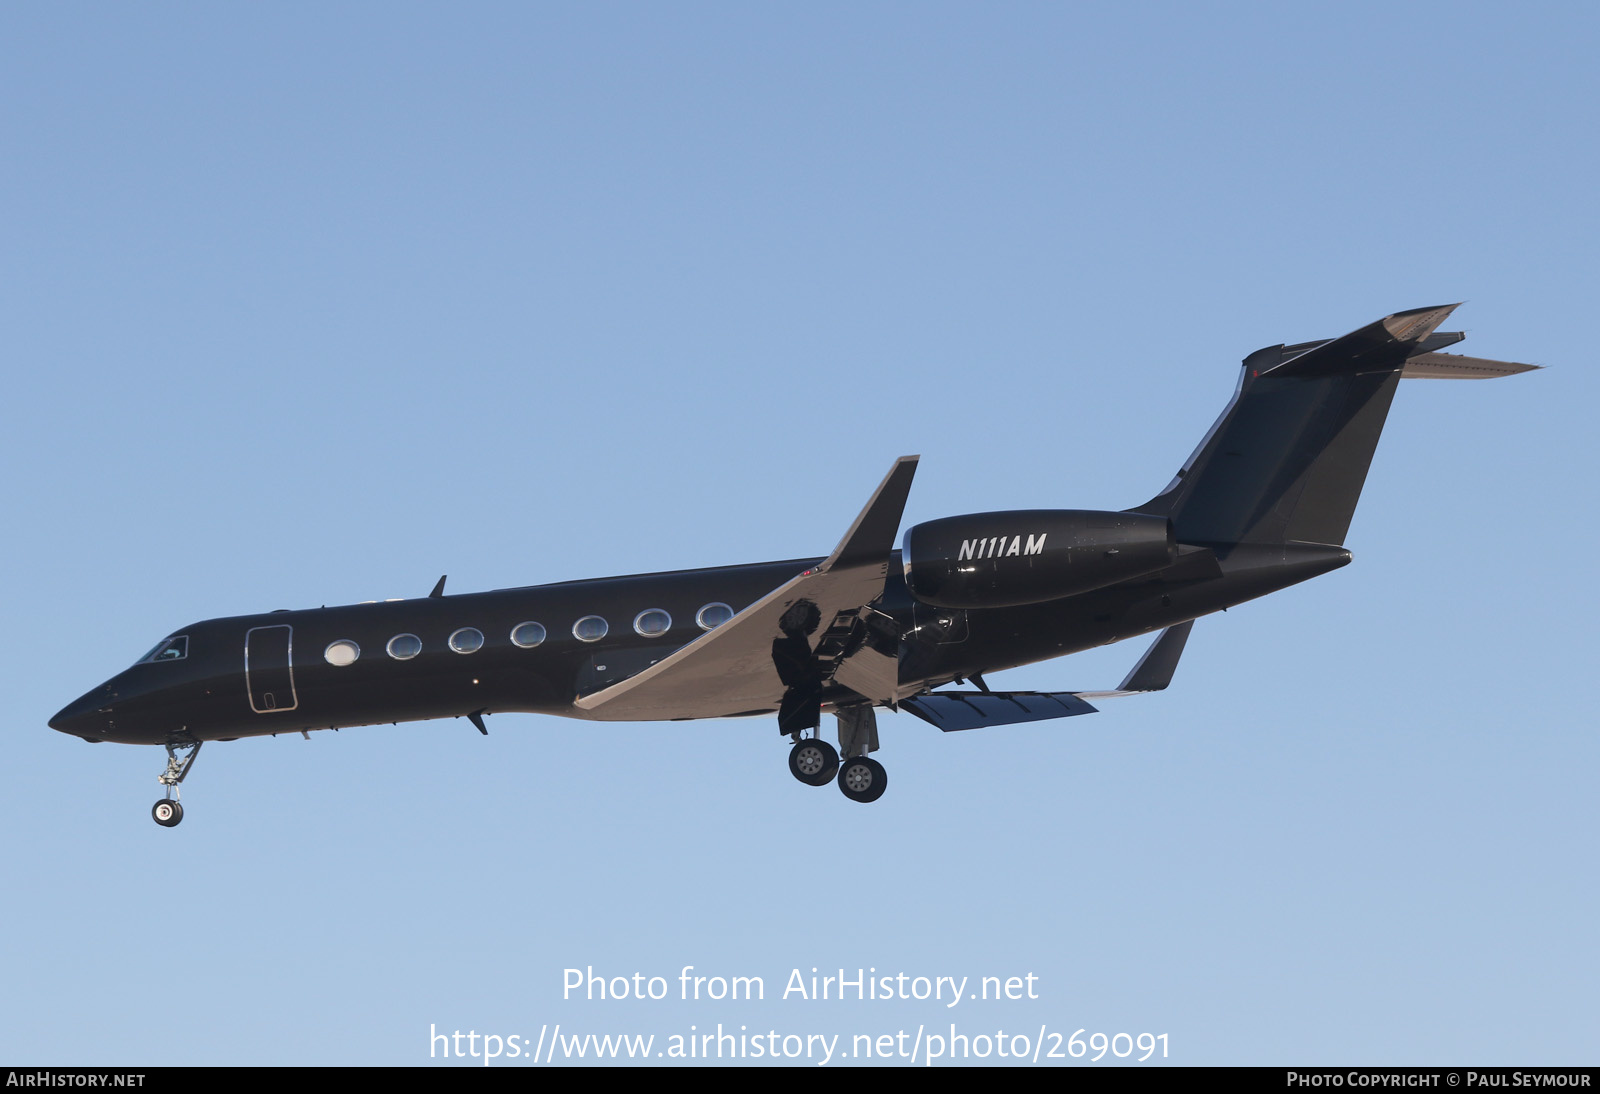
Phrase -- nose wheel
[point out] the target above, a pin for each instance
(169, 810)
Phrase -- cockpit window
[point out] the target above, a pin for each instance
(168, 649)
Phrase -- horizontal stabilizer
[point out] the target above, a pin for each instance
(1376, 347)
(1454, 366)
(954, 710)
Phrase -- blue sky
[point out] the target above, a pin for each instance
(309, 305)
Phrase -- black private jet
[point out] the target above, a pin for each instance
(1263, 503)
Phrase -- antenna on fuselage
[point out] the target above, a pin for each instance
(438, 590)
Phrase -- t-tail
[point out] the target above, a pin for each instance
(1286, 461)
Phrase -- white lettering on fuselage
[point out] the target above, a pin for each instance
(1001, 546)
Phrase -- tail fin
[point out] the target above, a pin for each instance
(1287, 459)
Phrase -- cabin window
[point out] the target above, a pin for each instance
(403, 647)
(713, 615)
(527, 635)
(341, 653)
(467, 640)
(168, 649)
(591, 628)
(652, 623)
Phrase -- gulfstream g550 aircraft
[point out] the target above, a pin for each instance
(1263, 503)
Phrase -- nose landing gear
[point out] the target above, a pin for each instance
(169, 811)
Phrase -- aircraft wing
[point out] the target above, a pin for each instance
(951, 711)
(733, 669)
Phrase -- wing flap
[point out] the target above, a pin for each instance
(952, 711)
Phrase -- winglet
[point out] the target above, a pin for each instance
(953, 710)
(872, 536)
(1154, 670)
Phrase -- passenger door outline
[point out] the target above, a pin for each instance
(272, 674)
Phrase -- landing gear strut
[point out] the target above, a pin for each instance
(169, 811)
(861, 779)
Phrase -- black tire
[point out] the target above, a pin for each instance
(814, 762)
(863, 779)
(167, 813)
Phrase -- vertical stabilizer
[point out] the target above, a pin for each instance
(1287, 459)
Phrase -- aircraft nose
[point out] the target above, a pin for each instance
(82, 717)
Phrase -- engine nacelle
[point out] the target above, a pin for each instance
(998, 560)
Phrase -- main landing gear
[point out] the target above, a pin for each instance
(813, 761)
(861, 778)
(169, 810)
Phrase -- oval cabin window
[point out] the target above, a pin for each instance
(341, 653)
(712, 616)
(652, 623)
(527, 635)
(403, 647)
(591, 628)
(467, 640)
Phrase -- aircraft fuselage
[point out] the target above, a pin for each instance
(256, 675)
